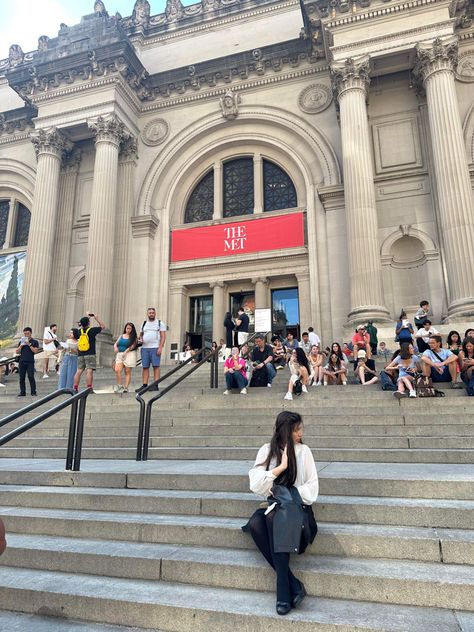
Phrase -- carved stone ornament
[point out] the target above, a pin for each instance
(43, 43)
(353, 73)
(209, 5)
(174, 10)
(15, 55)
(465, 69)
(155, 132)
(315, 98)
(128, 150)
(229, 105)
(99, 9)
(109, 129)
(51, 141)
(141, 12)
(435, 56)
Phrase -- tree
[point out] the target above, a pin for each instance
(10, 305)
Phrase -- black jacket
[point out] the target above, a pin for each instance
(294, 525)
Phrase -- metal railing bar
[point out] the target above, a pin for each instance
(35, 404)
(8, 360)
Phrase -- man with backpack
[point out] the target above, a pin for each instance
(86, 354)
(152, 338)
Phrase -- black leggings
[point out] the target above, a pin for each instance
(260, 528)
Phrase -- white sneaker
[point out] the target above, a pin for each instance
(269, 385)
(344, 383)
(3, 385)
(315, 384)
(288, 396)
(243, 391)
(325, 383)
(226, 392)
(304, 389)
(319, 383)
(412, 394)
(117, 388)
(45, 376)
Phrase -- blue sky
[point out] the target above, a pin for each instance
(23, 21)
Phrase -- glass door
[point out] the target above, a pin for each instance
(286, 312)
(200, 321)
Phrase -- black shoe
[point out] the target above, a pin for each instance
(154, 387)
(283, 607)
(21, 395)
(140, 388)
(300, 595)
(34, 394)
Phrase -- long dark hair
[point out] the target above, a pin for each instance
(464, 345)
(285, 424)
(302, 359)
(449, 340)
(133, 333)
(339, 350)
(405, 353)
(337, 366)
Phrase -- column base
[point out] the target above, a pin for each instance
(461, 310)
(105, 349)
(376, 313)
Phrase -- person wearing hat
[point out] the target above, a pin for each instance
(365, 369)
(361, 341)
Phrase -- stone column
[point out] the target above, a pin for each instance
(434, 69)
(177, 319)
(110, 132)
(62, 246)
(304, 303)
(261, 292)
(50, 146)
(122, 279)
(351, 82)
(258, 183)
(218, 310)
(10, 232)
(218, 199)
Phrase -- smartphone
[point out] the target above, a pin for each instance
(23, 340)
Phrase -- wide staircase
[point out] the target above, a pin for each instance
(158, 544)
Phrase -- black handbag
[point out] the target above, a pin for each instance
(294, 524)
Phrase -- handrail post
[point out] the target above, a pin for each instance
(212, 371)
(79, 434)
(216, 371)
(141, 425)
(72, 435)
(146, 435)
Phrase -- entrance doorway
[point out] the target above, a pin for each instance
(246, 300)
(200, 321)
(286, 312)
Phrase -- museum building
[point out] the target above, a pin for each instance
(315, 158)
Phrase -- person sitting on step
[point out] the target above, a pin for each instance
(466, 356)
(300, 370)
(438, 363)
(316, 362)
(234, 371)
(365, 369)
(408, 364)
(335, 371)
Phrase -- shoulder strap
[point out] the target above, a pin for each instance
(440, 359)
(143, 326)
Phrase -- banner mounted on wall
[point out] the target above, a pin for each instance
(234, 238)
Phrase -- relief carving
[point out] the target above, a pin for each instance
(229, 105)
(315, 98)
(155, 132)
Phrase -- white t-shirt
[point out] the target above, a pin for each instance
(48, 335)
(314, 338)
(426, 333)
(151, 333)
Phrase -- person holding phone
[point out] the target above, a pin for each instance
(86, 349)
(27, 349)
(404, 329)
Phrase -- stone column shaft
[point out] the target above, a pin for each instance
(62, 247)
(218, 310)
(100, 258)
(50, 146)
(261, 293)
(435, 68)
(304, 302)
(351, 81)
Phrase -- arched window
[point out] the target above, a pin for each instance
(278, 190)
(14, 224)
(200, 206)
(22, 228)
(238, 187)
(238, 191)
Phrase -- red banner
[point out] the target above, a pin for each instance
(224, 240)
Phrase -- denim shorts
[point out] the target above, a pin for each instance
(149, 357)
(445, 376)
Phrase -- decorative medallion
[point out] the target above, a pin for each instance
(155, 132)
(465, 69)
(315, 98)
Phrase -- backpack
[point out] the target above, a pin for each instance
(425, 388)
(386, 382)
(297, 387)
(83, 344)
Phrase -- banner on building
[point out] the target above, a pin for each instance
(235, 238)
(12, 269)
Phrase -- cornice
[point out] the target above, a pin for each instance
(350, 18)
(14, 138)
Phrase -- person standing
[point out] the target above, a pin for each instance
(68, 368)
(27, 349)
(126, 357)
(153, 337)
(50, 344)
(314, 339)
(229, 330)
(242, 326)
(371, 329)
(86, 352)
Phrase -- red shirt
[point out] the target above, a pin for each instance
(358, 339)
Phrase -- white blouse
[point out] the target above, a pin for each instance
(261, 480)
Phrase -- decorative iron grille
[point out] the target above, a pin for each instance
(278, 190)
(4, 212)
(200, 206)
(238, 187)
(22, 226)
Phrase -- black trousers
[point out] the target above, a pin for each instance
(24, 369)
(260, 528)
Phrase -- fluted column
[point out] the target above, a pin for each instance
(50, 146)
(126, 169)
(261, 292)
(62, 244)
(110, 132)
(218, 310)
(434, 69)
(351, 82)
(304, 303)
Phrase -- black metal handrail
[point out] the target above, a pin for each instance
(8, 360)
(145, 409)
(76, 424)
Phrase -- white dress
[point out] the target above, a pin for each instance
(261, 480)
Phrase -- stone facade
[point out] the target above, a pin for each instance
(367, 107)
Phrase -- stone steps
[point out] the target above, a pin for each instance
(181, 608)
(17, 622)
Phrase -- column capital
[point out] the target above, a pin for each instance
(108, 129)
(51, 141)
(431, 57)
(263, 280)
(214, 284)
(129, 150)
(351, 74)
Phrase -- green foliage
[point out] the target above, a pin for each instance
(10, 305)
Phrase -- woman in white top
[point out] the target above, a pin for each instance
(284, 461)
